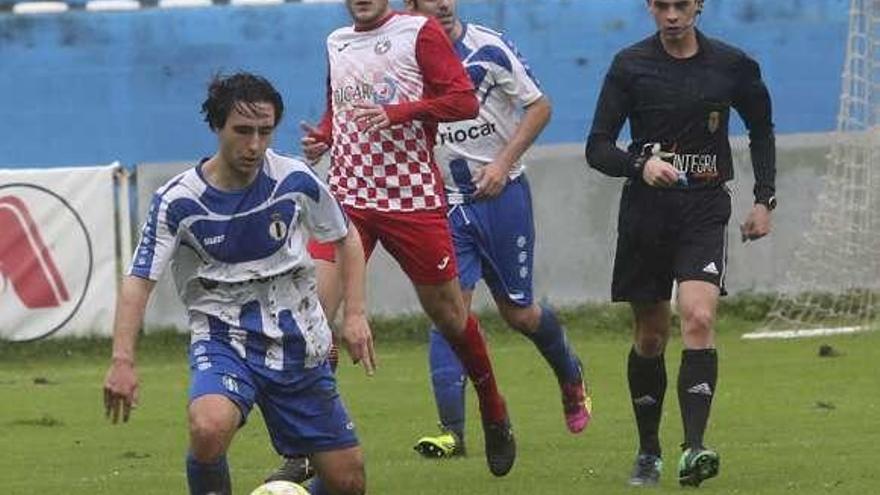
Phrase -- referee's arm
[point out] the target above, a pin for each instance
(612, 110)
(752, 102)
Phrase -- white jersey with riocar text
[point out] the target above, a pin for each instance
(504, 85)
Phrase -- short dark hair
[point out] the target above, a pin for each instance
(225, 91)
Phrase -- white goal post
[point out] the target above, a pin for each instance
(833, 283)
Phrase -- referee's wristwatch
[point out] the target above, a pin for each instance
(769, 203)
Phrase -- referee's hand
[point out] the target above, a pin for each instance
(658, 173)
(757, 224)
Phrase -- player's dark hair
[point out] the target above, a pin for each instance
(224, 92)
(699, 5)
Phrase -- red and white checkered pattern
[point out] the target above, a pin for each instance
(387, 170)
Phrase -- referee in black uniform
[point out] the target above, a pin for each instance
(676, 88)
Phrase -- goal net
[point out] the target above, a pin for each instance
(834, 276)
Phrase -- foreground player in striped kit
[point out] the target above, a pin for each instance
(677, 88)
(393, 76)
(490, 215)
(235, 229)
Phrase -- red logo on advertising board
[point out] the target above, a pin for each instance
(45, 262)
(24, 259)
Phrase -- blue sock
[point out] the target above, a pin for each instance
(552, 344)
(448, 377)
(317, 487)
(208, 478)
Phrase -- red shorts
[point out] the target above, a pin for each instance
(419, 241)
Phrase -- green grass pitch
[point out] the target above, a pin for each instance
(785, 421)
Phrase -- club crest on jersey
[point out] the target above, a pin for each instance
(382, 46)
(277, 228)
(714, 121)
(385, 91)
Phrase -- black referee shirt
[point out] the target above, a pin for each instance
(684, 105)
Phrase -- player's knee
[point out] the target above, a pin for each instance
(450, 319)
(698, 320)
(651, 337)
(207, 437)
(523, 320)
(649, 345)
(351, 482)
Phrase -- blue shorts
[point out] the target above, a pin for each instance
(495, 241)
(302, 409)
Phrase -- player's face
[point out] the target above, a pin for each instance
(443, 10)
(246, 135)
(366, 12)
(675, 18)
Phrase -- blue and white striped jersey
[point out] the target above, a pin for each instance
(239, 259)
(505, 85)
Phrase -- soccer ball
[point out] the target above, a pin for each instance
(280, 488)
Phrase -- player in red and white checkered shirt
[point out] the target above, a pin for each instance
(392, 77)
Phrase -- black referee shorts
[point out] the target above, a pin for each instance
(669, 234)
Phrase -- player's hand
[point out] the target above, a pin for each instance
(314, 143)
(371, 117)
(658, 173)
(359, 341)
(490, 180)
(757, 224)
(120, 390)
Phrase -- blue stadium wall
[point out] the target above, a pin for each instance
(85, 87)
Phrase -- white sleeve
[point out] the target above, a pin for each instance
(519, 83)
(157, 243)
(323, 217)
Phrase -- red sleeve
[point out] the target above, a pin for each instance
(325, 126)
(448, 93)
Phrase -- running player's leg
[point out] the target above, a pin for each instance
(542, 327)
(448, 376)
(697, 378)
(448, 383)
(306, 416)
(646, 375)
(299, 468)
(221, 395)
(339, 471)
(421, 243)
(643, 276)
(700, 269)
(505, 238)
(444, 305)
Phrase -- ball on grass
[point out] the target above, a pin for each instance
(280, 488)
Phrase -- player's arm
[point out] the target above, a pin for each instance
(327, 222)
(448, 94)
(317, 139)
(492, 178)
(355, 328)
(752, 102)
(154, 251)
(612, 110)
(121, 382)
(519, 84)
